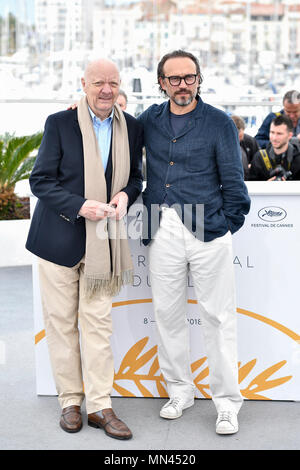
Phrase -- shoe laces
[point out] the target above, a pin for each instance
(175, 402)
(225, 416)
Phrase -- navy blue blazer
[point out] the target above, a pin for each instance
(56, 233)
(201, 165)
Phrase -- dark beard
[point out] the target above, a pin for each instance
(183, 101)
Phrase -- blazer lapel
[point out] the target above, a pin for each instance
(163, 121)
(76, 125)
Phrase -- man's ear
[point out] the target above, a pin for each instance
(83, 83)
(162, 83)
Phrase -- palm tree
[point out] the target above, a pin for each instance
(16, 163)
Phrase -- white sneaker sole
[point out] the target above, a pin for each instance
(165, 415)
(227, 431)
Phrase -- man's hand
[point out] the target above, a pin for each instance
(95, 210)
(120, 202)
(274, 178)
(298, 136)
(72, 106)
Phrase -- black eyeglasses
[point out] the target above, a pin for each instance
(175, 80)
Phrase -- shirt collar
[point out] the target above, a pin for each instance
(95, 118)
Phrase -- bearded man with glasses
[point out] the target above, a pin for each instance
(196, 199)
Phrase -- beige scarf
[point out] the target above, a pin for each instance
(108, 263)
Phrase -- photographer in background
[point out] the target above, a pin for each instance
(281, 159)
(291, 109)
(248, 144)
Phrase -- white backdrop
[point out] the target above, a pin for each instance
(267, 266)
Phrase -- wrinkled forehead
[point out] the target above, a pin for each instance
(101, 71)
(291, 107)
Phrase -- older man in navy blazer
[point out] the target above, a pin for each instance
(58, 237)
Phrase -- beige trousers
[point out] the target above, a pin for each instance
(82, 361)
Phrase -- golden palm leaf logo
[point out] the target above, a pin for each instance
(136, 358)
(130, 366)
(261, 382)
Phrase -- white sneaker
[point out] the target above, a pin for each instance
(227, 423)
(174, 407)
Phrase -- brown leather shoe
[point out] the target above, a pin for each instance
(107, 420)
(70, 420)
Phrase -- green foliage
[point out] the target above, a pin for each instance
(16, 163)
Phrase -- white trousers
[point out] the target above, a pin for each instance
(82, 367)
(172, 253)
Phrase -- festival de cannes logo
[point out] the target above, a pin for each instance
(272, 214)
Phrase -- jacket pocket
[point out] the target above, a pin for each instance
(197, 158)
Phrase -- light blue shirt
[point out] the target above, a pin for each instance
(103, 133)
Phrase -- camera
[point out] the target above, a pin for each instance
(280, 173)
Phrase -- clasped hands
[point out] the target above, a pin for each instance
(95, 210)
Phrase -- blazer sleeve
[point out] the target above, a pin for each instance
(135, 181)
(44, 179)
(236, 201)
